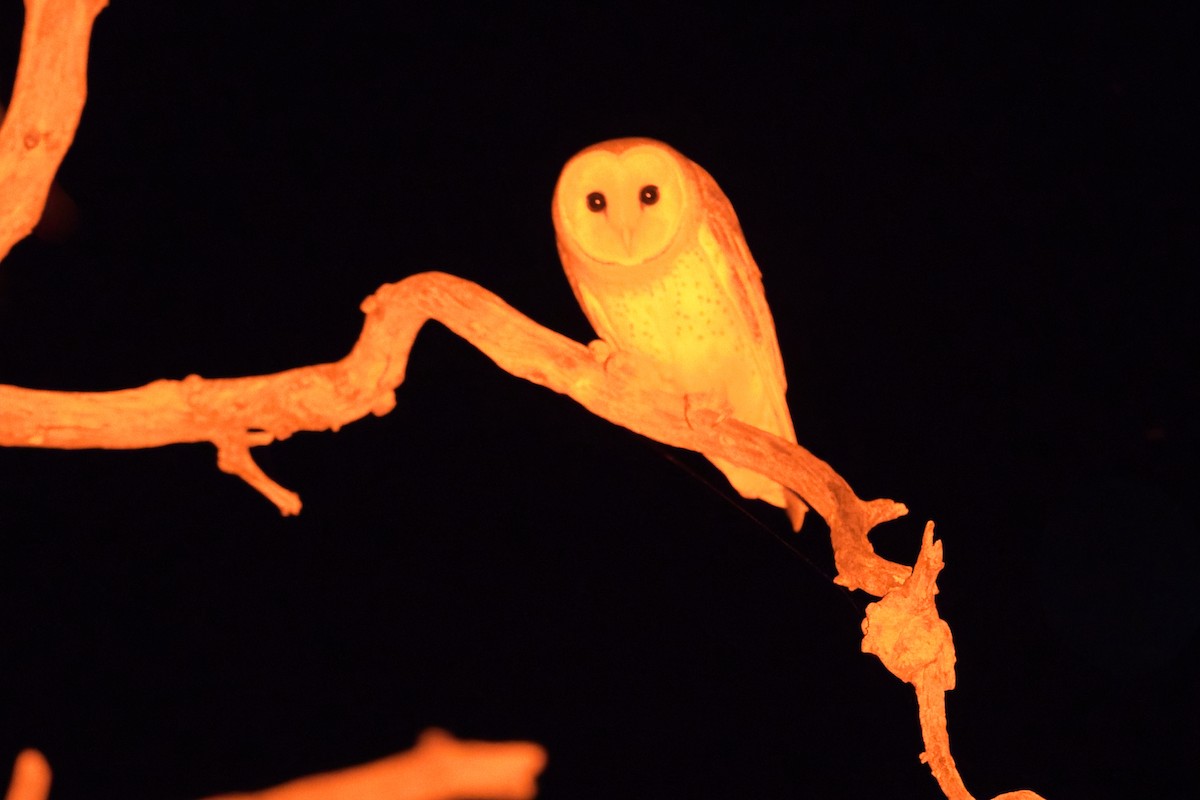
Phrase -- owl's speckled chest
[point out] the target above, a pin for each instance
(686, 321)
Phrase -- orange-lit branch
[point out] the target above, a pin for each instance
(30, 777)
(47, 100)
(440, 767)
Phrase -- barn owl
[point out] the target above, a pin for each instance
(657, 260)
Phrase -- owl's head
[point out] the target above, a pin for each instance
(623, 202)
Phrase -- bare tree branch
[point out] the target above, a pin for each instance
(47, 100)
(440, 767)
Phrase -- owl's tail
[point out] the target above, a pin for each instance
(796, 509)
(753, 486)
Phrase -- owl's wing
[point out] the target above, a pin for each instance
(743, 282)
(592, 308)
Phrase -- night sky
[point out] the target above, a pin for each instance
(978, 236)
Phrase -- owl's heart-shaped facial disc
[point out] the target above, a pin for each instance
(622, 203)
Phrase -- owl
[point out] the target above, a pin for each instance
(657, 260)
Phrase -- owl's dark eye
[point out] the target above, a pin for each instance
(596, 202)
(648, 195)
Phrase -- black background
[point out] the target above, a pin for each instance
(976, 235)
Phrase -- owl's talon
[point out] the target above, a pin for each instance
(601, 350)
(630, 366)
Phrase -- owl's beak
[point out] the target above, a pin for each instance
(627, 226)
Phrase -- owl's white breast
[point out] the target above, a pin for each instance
(684, 320)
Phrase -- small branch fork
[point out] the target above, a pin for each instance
(235, 414)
